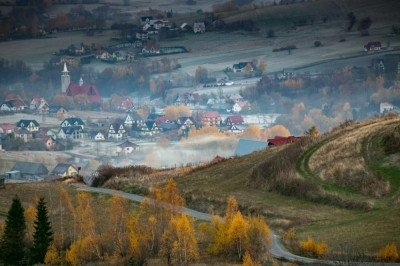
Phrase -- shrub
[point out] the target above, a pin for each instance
(388, 253)
(310, 247)
(391, 141)
(317, 43)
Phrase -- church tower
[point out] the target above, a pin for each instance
(65, 79)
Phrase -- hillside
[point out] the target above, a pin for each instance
(339, 188)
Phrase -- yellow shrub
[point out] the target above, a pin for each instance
(388, 253)
(313, 248)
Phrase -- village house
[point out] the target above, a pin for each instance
(24, 134)
(234, 120)
(30, 171)
(127, 104)
(236, 97)
(64, 169)
(58, 111)
(211, 118)
(7, 128)
(97, 135)
(49, 141)
(76, 49)
(149, 128)
(116, 132)
(188, 99)
(102, 54)
(386, 107)
(133, 120)
(14, 104)
(151, 48)
(185, 122)
(72, 132)
(39, 105)
(240, 106)
(30, 125)
(243, 67)
(237, 128)
(142, 35)
(146, 19)
(199, 27)
(72, 121)
(127, 147)
(378, 64)
(372, 46)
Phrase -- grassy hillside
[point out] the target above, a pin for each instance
(340, 188)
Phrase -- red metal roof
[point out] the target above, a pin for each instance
(279, 140)
(235, 119)
(210, 115)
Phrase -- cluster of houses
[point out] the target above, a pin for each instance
(34, 171)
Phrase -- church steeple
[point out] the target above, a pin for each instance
(65, 79)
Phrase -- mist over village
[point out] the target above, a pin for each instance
(198, 132)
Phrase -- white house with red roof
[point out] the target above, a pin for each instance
(372, 46)
(241, 105)
(234, 120)
(151, 48)
(386, 107)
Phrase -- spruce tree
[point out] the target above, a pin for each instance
(12, 243)
(43, 235)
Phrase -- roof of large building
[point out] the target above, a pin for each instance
(247, 146)
(85, 89)
(30, 168)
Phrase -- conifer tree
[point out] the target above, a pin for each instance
(12, 244)
(43, 235)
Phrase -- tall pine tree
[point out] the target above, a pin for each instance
(43, 235)
(12, 244)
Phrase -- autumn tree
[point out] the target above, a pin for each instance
(312, 131)
(179, 243)
(118, 229)
(201, 74)
(43, 235)
(310, 247)
(248, 261)
(262, 66)
(259, 236)
(252, 132)
(30, 214)
(237, 234)
(389, 253)
(231, 209)
(12, 243)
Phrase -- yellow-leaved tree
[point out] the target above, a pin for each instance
(30, 214)
(388, 253)
(237, 234)
(118, 229)
(179, 242)
(248, 261)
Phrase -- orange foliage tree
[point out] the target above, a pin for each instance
(388, 253)
(312, 248)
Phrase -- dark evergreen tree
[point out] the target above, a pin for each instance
(43, 235)
(12, 244)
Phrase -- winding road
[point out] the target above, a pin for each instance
(276, 249)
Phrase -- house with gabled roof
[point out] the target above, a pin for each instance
(30, 125)
(133, 120)
(234, 120)
(241, 105)
(127, 147)
(237, 128)
(16, 104)
(30, 169)
(98, 135)
(211, 118)
(372, 46)
(186, 122)
(149, 128)
(151, 48)
(24, 134)
(199, 27)
(127, 104)
(58, 111)
(6, 128)
(116, 132)
(247, 146)
(73, 121)
(64, 169)
(73, 132)
(241, 67)
(85, 89)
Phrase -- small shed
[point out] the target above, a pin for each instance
(31, 169)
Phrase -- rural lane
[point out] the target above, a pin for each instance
(276, 249)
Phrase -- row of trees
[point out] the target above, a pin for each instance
(15, 248)
(86, 232)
